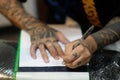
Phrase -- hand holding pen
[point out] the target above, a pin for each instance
(77, 52)
(86, 34)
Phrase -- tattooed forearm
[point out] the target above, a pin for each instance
(75, 55)
(31, 24)
(105, 37)
(13, 10)
(109, 34)
(6, 5)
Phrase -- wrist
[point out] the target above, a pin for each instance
(91, 44)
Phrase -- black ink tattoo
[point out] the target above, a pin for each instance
(40, 43)
(75, 55)
(47, 41)
(14, 10)
(108, 34)
(5, 5)
(29, 23)
(33, 38)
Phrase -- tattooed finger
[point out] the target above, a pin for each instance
(75, 55)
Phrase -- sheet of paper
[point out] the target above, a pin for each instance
(72, 33)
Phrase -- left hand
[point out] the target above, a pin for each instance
(45, 38)
(78, 56)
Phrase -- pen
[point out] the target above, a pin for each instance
(88, 32)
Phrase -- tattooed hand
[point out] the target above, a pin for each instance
(76, 57)
(78, 53)
(44, 37)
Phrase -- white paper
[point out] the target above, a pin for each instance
(72, 33)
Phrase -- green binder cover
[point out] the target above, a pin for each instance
(16, 64)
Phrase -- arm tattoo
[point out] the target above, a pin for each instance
(14, 11)
(109, 34)
(5, 4)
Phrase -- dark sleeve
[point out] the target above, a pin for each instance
(109, 34)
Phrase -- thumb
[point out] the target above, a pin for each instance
(62, 38)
